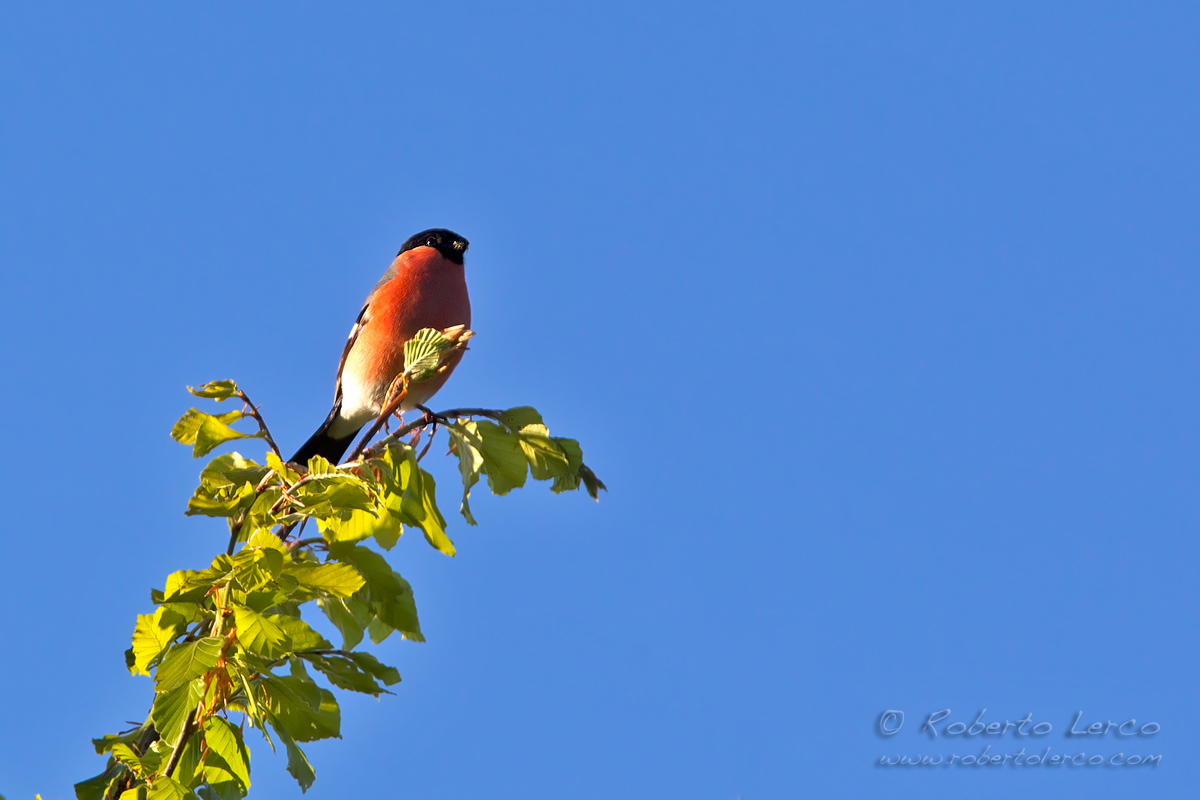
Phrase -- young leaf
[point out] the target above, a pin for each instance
(504, 461)
(420, 506)
(301, 635)
(259, 633)
(213, 432)
(230, 470)
(165, 788)
(172, 708)
(95, 788)
(303, 710)
(546, 459)
(368, 663)
(593, 484)
(470, 462)
(225, 743)
(428, 349)
(124, 754)
(298, 764)
(391, 595)
(186, 661)
(227, 502)
(338, 580)
(184, 431)
(216, 390)
(189, 762)
(356, 525)
(347, 621)
(152, 634)
(569, 479)
(345, 674)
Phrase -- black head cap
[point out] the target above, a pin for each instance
(448, 243)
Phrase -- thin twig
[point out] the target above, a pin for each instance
(443, 417)
(189, 728)
(262, 425)
(432, 434)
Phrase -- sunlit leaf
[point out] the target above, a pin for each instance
(339, 580)
(260, 634)
(213, 432)
(185, 661)
(301, 635)
(391, 596)
(215, 390)
(152, 634)
(172, 708)
(165, 788)
(225, 742)
(185, 430)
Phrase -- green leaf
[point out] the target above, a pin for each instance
(345, 674)
(298, 764)
(391, 596)
(379, 630)
(350, 616)
(106, 742)
(546, 459)
(368, 663)
(216, 390)
(124, 754)
(213, 432)
(265, 540)
(305, 711)
(258, 567)
(338, 580)
(287, 473)
(420, 506)
(219, 503)
(186, 661)
(504, 461)
(470, 462)
(260, 634)
(230, 470)
(95, 788)
(166, 788)
(225, 742)
(302, 636)
(411, 495)
(423, 354)
(569, 479)
(185, 430)
(153, 634)
(136, 793)
(356, 525)
(189, 762)
(329, 494)
(172, 708)
(593, 484)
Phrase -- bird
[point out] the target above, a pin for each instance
(425, 287)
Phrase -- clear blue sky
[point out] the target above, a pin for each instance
(880, 323)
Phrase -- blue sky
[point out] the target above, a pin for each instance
(879, 322)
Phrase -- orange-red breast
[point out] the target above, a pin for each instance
(425, 287)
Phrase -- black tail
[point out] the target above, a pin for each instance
(322, 444)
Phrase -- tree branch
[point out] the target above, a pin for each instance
(262, 425)
(443, 417)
